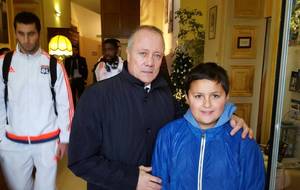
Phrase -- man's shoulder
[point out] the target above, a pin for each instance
(107, 84)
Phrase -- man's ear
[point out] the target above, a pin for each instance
(127, 52)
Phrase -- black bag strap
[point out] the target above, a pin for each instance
(5, 70)
(53, 75)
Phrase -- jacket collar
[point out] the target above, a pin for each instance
(224, 118)
(37, 53)
(158, 82)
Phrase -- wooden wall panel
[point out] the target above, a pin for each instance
(119, 18)
(248, 8)
(241, 80)
(239, 49)
(244, 111)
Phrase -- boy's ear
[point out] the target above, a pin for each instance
(227, 97)
(187, 99)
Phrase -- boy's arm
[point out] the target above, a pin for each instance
(160, 158)
(252, 166)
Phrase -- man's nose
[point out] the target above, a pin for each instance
(26, 38)
(150, 61)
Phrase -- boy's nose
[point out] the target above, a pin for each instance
(206, 102)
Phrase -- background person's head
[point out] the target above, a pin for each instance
(27, 29)
(110, 49)
(145, 52)
(75, 50)
(4, 50)
(119, 46)
(207, 88)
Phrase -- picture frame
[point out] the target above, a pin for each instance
(166, 10)
(243, 42)
(170, 15)
(293, 81)
(4, 34)
(212, 22)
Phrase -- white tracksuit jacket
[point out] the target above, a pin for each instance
(102, 74)
(30, 105)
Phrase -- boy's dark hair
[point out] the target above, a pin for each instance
(27, 18)
(210, 71)
(112, 41)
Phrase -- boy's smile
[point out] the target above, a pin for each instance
(206, 99)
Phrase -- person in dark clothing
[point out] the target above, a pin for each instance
(117, 120)
(110, 64)
(77, 71)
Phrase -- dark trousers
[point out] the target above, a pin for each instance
(77, 86)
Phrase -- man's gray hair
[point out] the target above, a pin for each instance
(148, 28)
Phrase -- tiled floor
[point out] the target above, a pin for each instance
(66, 180)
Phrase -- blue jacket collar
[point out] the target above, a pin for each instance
(229, 109)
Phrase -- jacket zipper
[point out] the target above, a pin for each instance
(201, 159)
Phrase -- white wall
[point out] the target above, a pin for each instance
(88, 24)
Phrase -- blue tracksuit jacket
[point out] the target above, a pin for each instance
(189, 158)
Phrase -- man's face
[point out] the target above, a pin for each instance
(109, 51)
(207, 100)
(75, 51)
(145, 55)
(27, 37)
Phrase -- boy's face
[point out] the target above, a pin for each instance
(206, 99)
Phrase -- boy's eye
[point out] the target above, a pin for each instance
(216, 96)
(198, 96)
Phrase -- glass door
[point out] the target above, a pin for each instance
(284, 162)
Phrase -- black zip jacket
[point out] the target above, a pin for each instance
(82, 66)
(114, 130)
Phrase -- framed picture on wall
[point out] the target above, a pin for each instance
(212, 22)
(3, 22)
(243, 42)
(171, 15)
(293, 81)
(166, 10)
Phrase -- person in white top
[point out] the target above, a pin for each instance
(110, 64)
(32, 134)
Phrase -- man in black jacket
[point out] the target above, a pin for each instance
(117, 120)
(77, 71)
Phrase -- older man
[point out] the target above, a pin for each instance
(116, 121)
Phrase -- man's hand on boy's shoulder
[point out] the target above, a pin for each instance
(237, 123)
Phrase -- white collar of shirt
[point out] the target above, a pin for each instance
(18, 50)
(148, 88)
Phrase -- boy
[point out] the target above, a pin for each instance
(197, 151)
